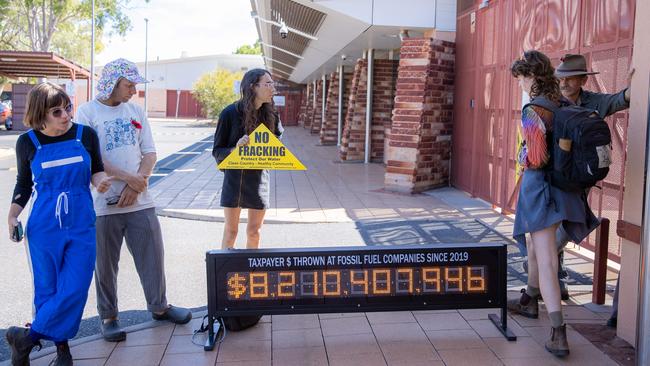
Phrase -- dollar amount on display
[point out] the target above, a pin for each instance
(376, 282)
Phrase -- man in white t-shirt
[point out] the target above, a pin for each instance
(127, 210)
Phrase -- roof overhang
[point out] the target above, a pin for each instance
(329, 29)
(16, 64)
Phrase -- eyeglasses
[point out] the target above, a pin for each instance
(58, 111)
(269, 84)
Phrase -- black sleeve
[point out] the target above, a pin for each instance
(90, 141)
(24, 154)
(221, 147)
(279, 130)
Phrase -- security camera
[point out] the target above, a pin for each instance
(284, 30)
(344, 57)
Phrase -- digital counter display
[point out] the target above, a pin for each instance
(293, 281)
(357, 279)
(401, 281)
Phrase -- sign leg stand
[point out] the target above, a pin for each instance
(213, 331)
(502, 324)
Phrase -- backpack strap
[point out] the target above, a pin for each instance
(544, 103)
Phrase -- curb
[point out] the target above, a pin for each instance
(178, 214)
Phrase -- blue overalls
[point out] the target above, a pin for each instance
(61, 235)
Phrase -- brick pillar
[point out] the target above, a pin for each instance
(309, 108)
(318, 108)
(329, 130)
(420, 141)
(303, 105)
(352, 142)
(383, 97)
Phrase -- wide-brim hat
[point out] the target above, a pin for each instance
(573, 65)
(113, 72)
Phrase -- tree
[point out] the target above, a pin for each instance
(215, 91)
(60, 26)
(255, 49)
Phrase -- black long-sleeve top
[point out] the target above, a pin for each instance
(25, 151)
(230, 129)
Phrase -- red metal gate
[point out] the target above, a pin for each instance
(488, 99)
(187, 105)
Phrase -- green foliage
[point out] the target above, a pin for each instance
(255, 49)
(215, 91)
(60, 26)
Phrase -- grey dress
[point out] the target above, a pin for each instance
(541, 205)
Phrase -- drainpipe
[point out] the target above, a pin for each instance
(371, 55)
(643, 310)
(322, 120)
(340, 114)
(315, 91)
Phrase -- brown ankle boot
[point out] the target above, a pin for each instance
(558, 344)
(526, 305)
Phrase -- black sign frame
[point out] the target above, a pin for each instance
(221, 262)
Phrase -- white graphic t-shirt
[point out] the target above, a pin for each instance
(124, 136)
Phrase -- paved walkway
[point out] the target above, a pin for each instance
(336, 192)
(329, 191)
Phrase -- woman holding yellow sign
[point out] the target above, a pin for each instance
(247, 188)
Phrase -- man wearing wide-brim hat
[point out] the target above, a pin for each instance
(573, 74)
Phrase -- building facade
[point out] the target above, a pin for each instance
(425, 89)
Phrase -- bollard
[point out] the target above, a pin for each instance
(600, 262)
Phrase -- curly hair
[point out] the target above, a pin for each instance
(538, 66)
(253, 117)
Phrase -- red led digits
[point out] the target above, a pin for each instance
(400, 281)
(309, 283)
(259, 284)
(381, 281)
(430, 280)
(475, 279)
(287, 284)
(453, 279)
(358, 282)
(332, 283)
(404, 281)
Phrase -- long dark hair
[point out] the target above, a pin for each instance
(253, 117)
(538, 66)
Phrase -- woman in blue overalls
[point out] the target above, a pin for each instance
(57, 161)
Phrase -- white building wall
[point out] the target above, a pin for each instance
(182, 73)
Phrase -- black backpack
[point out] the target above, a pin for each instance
(237, 323)
(579, 146)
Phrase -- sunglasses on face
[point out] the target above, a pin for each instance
(58, 111)
(269, 84)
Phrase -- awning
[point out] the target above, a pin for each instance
(324, 34)
(15, 64)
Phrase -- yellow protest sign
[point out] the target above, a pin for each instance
(264, 151)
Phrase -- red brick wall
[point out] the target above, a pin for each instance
(383, 97)
(309, 110)
(420, 141)
(352, 141)
(303, 106)
(318, 107)
(328, 132)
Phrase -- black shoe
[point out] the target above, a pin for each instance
(21, 345)
(112, 332)
(612, 322)
(63, 356)
(175, 315)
